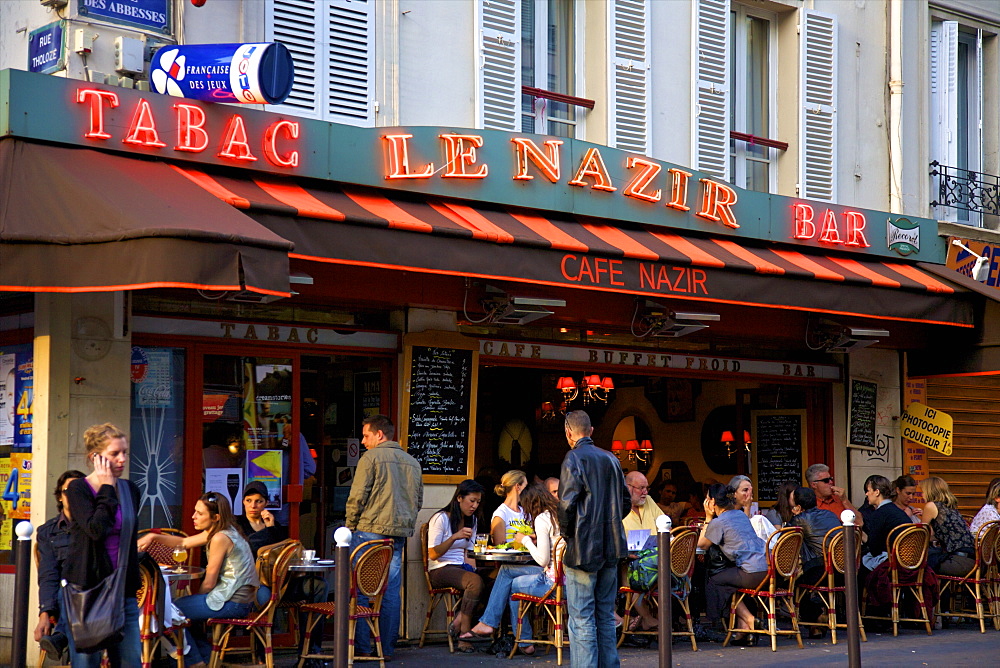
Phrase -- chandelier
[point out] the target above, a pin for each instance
(591, 388)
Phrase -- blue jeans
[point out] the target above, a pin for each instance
(590, 601)
(127, 653)
(196, 609)
(532, 585)
(388, 623)
(500, 595)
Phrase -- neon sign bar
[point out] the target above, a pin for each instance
(568, 176)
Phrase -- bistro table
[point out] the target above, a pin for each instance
(184, 576)
(320, 566)
(502, 556)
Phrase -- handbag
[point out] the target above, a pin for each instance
(716, 560)
(96, 616)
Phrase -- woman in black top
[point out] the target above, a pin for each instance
(95, 532)
(52, 543)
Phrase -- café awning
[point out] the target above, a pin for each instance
(388, 229)
(77, 220)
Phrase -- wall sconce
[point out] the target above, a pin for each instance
(593, 388)
(728, 441)
(637, 451)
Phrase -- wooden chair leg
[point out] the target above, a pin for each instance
(794, 612)
(179, 642)
(772, 624)
(733, 604)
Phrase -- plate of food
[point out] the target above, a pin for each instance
(504, 550)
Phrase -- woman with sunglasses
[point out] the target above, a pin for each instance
(230, 584)
(53, 550)
(103, 510)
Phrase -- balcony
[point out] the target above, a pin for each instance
(964, 189)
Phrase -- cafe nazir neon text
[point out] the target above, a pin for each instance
(462, 161)
(192, 136)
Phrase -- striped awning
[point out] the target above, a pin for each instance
(347, 225)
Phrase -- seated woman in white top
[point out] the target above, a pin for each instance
(450, 533)
(230, 584)
(988, 512)
(542, 507)
(509, 515)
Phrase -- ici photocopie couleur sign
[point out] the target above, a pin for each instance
(928, 427)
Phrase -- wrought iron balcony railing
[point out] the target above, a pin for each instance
(965, 189)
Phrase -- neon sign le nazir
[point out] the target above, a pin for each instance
(192, 134)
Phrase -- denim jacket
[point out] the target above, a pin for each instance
(52, 543)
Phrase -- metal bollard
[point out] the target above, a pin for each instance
(342, 594)
(22, 584)
(851, 590)
(665, 636)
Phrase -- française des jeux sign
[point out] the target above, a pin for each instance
(569, 176)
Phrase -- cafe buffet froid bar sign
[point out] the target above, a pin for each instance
(645, 361)
(569, 176)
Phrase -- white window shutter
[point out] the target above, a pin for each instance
(817, 117)
(628, 112)
(350, 61)
(944, 92)
(711, 58)
(294, 24)
(499, 80)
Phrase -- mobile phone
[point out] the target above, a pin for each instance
(468, 521)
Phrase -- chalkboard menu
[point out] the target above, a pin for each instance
(862, 416)
(440, 388)
(779, 450)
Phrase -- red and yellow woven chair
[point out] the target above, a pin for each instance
(783, 568)
(447, 595)
(907, 564)
(152, 629)
(683, 542)
(550, 607)
(977, 583)
(369, 577)
(260, 622)
(834, 562)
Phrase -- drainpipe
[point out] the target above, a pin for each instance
(895, 106)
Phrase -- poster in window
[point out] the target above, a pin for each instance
(267, 403)
(152, 375)
(17, 491)
(5, 506)
(229, 483)
(8, 402)
(265, 466)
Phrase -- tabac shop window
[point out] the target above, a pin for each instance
(751, 56)
(548, 62)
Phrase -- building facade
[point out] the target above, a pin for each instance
(735, 215)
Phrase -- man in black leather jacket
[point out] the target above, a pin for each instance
(593, 500)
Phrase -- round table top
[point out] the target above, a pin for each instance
(517, 557)
(186, 573)
(315, 565)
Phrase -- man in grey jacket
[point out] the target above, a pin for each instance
(386, 494)
(592, 501)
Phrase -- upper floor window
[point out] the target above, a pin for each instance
(548, 49)
(751, 84)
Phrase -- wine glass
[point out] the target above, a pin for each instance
(180, 556)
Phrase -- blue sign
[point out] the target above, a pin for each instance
(246, 73)
(147, 14)
(45, 49)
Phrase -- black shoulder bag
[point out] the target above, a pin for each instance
(96, 616)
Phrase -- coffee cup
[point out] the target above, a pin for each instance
(309, 555)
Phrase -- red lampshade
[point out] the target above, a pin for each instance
(746, 437)
(594, 381)
(547, 406)
(566, 383)
(646, 446)
(727, 437)
(608, 384)
(617, 445)
(632, 445)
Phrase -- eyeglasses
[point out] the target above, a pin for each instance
(826, 480)
(644, 488)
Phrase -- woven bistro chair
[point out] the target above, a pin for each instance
(369, 577)
(834, 564)
(977, 583)
(683, 542)
(783, 568)
(908, 545)
(550, 607)
(259, 622)
(447, 595)
(164, 555)
(152, 629)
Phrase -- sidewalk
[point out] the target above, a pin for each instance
(951, 647)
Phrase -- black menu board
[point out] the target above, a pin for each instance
(861, 423)
(779, 450)
(440, 388)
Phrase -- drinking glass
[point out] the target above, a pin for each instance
(180, 556)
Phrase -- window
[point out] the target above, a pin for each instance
(548, 62)
(750, 80)
(332, 43)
